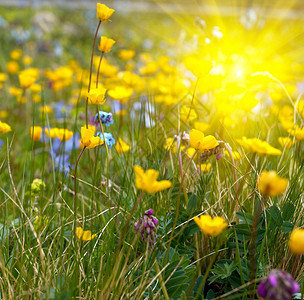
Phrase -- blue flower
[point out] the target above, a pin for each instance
(1, 143)
(62, 164)
(110, 141)
(105, 118)
(61, 110)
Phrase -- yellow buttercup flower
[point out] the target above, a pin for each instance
(4, 128)
(36, 88)
(190, 152)
(188, 113)
(121, 93)
(16, 54)
(235, 154)
(201, 126)
(296, 241)
(46, 109)
(12, 67)
(97, 96)
(121, 146)
(14, 91)
(27, 60)
(171, 144)
(61, 133)
(286, 142)
(28, 77)
(258, 146)
(3, 114)
(211, 226)
(149, 69)
(205, 168)
(104, 13)
(147, 180)
(88, 139)
(297, 132)
(271, 184)
(105, 44)
(85, 235)
(36, 133)
(126, 54)
(3, 77)
(200, 142)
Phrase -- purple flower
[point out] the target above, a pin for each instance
(147, 227)
(279, 285)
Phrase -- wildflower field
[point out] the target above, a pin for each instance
(152, 155)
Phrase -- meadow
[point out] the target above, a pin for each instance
(150, 156)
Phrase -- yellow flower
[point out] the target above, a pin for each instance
(46, 109)
(126, 54)
(198, 66)
(36, 133)
(297, 132)
(104, 13)
(105, 44)
(61, 133)
(210, 226)
(185, 116)
(205, 168)
(121, 93)
(296, 241)
(200, 142)
(14, 91)
(27, 60)
(258, 146)
(88, 139)
(16, 54)
(4, 128)
(190, 152)
(147, 181)
(201, 126)
(3, 114)
(121, 146)
(235, 154)
(28, 77)
(285, 142)
(97, 96)
(36, 88)
(12, 67)
(171, 145)
(271, 184)
(149, 69)
(85, 235)
(3, 77)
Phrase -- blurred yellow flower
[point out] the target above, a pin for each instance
(97, 96)
(104, 13)
(126, 54)
(3, 77)
(235, 154)
(27, 60)
(258, 146)
(211, 226)
(105, 44)
(171, 144)
(4, 128)
(61, 133)
(285, 142)
(3, 114)
(201, 126)
(36, 88)
(205, 168)
(187, 113)
(121, 93)
(88, 139)
(12, 67)
(36, 133)
(297, 132)
(85, 235)
(121, 146)
(149, 69)
(46, 109)
(14, 91)
(190, 152)
(296, 241)
(16, 54)
(147, 180)
(200, 142)
(271, 184)
(28, 77)
(198, 66)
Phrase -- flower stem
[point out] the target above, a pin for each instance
(101, 56)
(91, 68)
